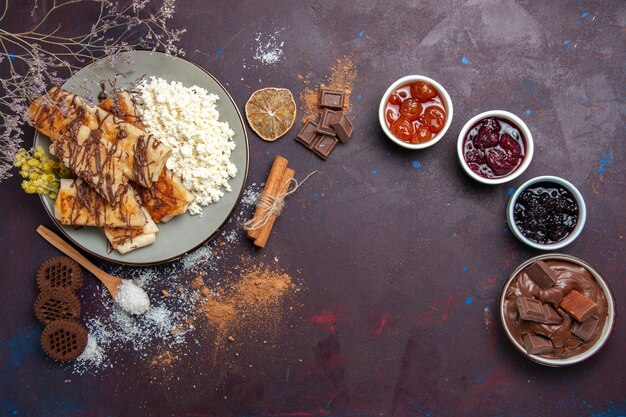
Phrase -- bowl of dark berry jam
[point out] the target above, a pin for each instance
(415, 112)
(546, 213)
(495, 147)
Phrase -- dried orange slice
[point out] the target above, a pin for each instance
(271, 112)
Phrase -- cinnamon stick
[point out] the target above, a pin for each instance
(272, 186)
(265, 231)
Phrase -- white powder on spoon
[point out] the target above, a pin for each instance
(132, 298)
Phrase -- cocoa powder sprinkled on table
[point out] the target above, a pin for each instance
(218, 312)
(257, 294)
(163, 359)
(342, 77)
(197, 283)
(262, 286)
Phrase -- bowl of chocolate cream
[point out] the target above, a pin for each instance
(557, 310)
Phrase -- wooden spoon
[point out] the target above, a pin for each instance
(112, 283)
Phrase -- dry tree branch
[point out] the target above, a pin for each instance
(39, 58)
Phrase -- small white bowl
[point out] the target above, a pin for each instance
(447, 102)
(582, 213)
(516, 121)
(606, 330)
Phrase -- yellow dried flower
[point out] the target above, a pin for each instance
(40, 172)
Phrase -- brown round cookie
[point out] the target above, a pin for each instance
(56, 304)
(64, 340)
(59, 271)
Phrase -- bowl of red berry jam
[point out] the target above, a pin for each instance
(495, 147)
(546, 213)
(415, 112)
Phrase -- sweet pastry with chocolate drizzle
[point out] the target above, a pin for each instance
(79, 205)
(54, 113)
(95, 161)
(167, 197)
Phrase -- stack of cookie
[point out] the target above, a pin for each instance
(58, 308)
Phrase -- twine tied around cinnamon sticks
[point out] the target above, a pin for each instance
(271, 201)
(272, 205)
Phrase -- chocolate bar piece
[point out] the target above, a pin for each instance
(324, 146)
(307, 134)
(534, 310)
(578, 306)
(331, 99)
(536, 345)
(541, 274)
(587, 329)
(342, 126)
(324, 125)
(552, 317)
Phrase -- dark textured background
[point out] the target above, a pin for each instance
(401, 254)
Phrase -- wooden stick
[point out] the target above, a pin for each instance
(265, 231)
(271, 188)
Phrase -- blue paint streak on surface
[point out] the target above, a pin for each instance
(464, 60)
(416, 164)
(566, 42)
(480, 380)
(528, 112)
(511, 191)
(219, 52)
(469, 300)
(465, 269)
(614, 411)
(361, 33)
(287, 375)
(14, 351)
(374, 172)
(8, 406)
(584, 97)
(604, 161)
(531, 86)
(20, 346)
(12, 57)
(585, 14)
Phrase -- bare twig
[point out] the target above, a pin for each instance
(38, 59)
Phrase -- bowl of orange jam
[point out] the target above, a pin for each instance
(415, 112)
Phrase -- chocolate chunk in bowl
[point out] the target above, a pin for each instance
(577, 336)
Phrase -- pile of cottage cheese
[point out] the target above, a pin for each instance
(187, 120)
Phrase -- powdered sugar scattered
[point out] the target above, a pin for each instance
(116, 330)
(198, 257)
(250, 195)
(92, 356)
(268, 50)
